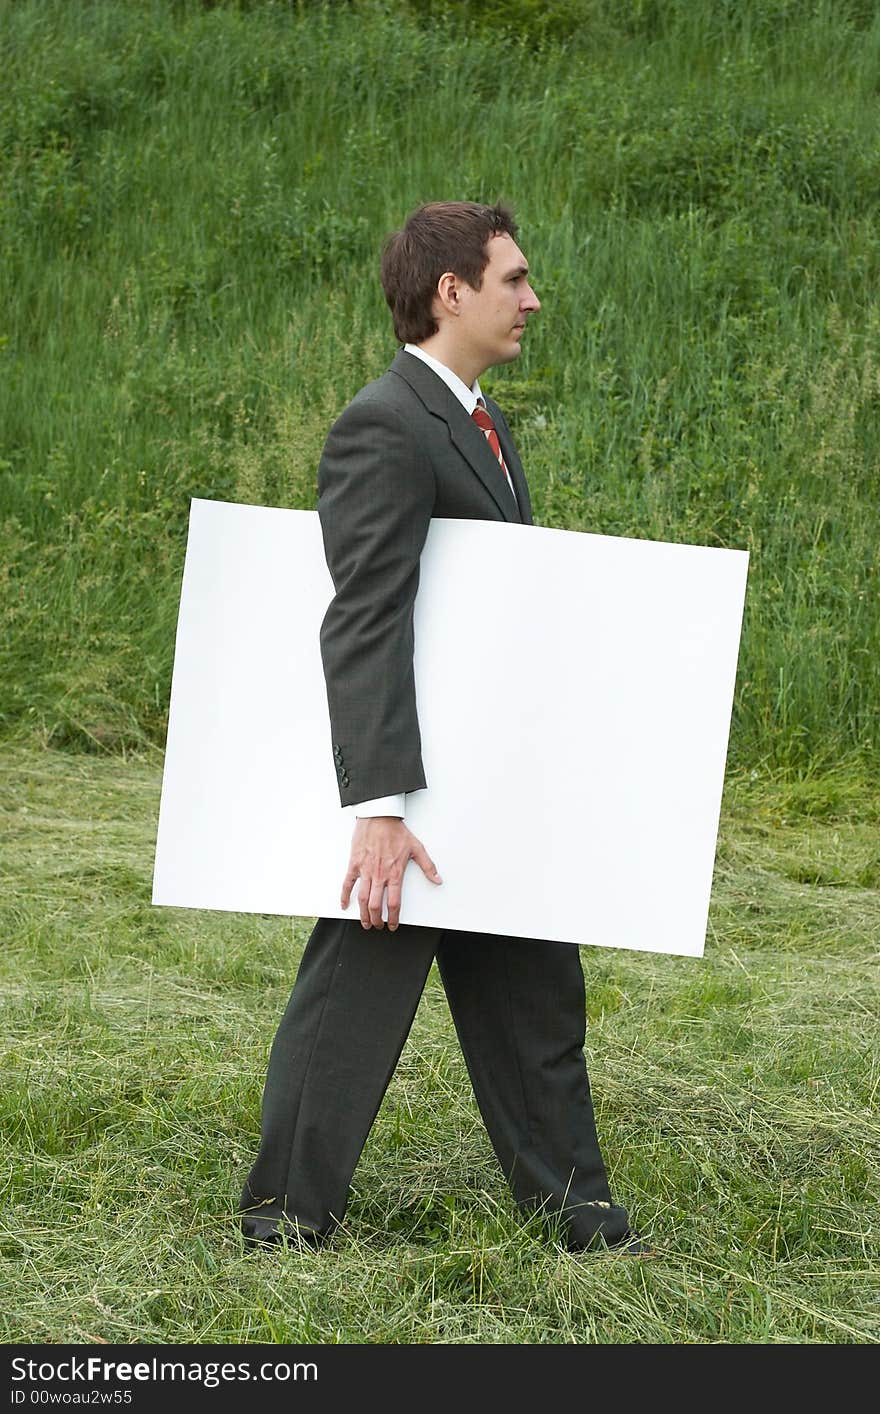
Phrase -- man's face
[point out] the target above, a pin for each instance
(492, 318)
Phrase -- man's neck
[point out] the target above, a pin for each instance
(463, 365)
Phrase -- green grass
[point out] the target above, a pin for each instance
(192, 202)
(736, 1101)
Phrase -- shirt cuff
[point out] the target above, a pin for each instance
(382, 805)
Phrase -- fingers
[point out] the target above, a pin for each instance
(425, 863)
(379, 872)
(363, 899)
(376, 894)
(348, 884)
(370, 897)
(394, 894)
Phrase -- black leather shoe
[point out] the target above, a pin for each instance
(633, 1245)
(271, 1232)
(630, 1244)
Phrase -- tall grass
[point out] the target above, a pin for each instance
(192, 200)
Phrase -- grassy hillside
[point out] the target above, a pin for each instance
(192, 199)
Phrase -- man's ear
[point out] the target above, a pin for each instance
(448, 297)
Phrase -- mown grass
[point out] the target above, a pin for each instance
(193, 201)
(736, 1098)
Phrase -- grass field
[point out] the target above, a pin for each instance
(192, 201)
(736, 1100)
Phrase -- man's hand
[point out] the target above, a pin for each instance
(381, 848)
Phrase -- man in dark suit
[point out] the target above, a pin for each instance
(422, 441)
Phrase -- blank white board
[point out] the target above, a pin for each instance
(574, 696)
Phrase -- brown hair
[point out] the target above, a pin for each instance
(439, 236)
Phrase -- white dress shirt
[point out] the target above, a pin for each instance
(469, 398)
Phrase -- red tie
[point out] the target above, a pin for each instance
(484, 421)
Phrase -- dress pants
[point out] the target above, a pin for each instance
(519, 1011)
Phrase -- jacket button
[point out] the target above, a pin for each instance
(345, 780)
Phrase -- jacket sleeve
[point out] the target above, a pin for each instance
(375, 500)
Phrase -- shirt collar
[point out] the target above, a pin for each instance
(468, 397)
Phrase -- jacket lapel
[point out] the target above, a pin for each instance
(465, 434)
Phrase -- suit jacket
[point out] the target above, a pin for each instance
(403, 450)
